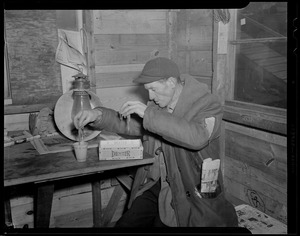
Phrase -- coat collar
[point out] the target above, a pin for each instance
(192, 91)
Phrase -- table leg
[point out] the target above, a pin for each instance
(7, 210)
(43, 205)
(97, 206)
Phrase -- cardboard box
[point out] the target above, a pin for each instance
(126, 149)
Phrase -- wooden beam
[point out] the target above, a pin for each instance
(256, 116)
(7, 210)
(18, 109)
(112, 205)
(171, 34)
(125, 180)
(258, 40)
(97, 206)
(88, 23)
(43, 205)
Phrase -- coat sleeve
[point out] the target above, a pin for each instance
(189, 131)
(111, 121)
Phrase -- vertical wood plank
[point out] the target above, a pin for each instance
(171, 30)
(7, 211)
(231, 55)
(43, 205)
(97, 206)
(88, 22)
(222, 151)
(187, 41)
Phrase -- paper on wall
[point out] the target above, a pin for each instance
(69, 51)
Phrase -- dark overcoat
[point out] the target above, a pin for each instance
(185, 143)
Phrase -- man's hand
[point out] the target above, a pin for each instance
(84, 117)
(131, 107)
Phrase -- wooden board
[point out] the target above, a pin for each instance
(255, 169)
(112, 205)
(121, 57)
(119, 68)
(265, 137)
(83, 218)
(277, 68)
(22, 164)
(32, 41)
(57, 144)
(254, 49)
(258, 154)
(271, 61)
(129, 21)
(257, 116)
(256, 199)
(265, 55)
(116, 79)
(115, 97)
(255, 178)
(201, 63)
(70, 205)
(109, 41)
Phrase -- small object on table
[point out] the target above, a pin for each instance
(124, 149)
(22, 140)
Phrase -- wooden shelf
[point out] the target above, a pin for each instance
(18, 109)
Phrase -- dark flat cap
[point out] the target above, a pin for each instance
(156, 69)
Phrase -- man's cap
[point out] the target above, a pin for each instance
(157, 69)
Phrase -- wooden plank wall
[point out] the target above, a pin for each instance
(123, 41)
(31, 37)
(255, 169)
(126, 39)
(195, 43)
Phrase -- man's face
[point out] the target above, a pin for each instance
(161, 92)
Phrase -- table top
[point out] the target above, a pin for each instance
(23, 164)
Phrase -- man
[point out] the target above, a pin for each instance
(180, 127)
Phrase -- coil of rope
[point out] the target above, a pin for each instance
(221, 15)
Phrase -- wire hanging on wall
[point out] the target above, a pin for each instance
(221, 15)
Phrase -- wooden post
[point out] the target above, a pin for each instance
(220, 86)
(43, 205)
(97, 206)
(88, 25)
(224, 68)
(7, 210)
(171, 33)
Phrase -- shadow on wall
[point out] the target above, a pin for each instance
(140, 92)
(115, 97)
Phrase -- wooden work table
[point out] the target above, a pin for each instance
(23, 164)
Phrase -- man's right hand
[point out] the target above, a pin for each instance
(84, 117)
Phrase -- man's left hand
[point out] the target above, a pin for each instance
(131, 107)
